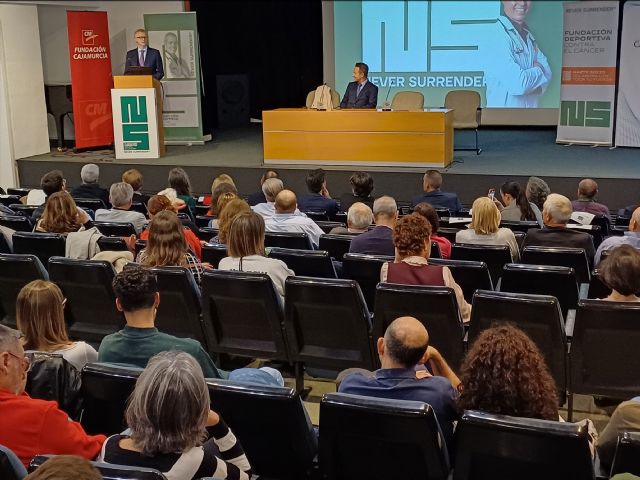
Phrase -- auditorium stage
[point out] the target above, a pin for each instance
(507, 154)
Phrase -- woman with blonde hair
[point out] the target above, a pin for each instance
(167, 246)
(220, 179)
(224, 189)
(40, 318)
(234, 207)
(245, 245)
(484, 228)
(62, 215)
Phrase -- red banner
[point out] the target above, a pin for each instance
(91, 79)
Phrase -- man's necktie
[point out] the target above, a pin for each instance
(358, 90)
(141, 59)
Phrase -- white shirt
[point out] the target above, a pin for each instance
(292, 223)
(268, 209)
(78, 354)
(122, 216)
(513, 79)
(276, 269)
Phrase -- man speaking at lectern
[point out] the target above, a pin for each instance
(144, 56)
(361, 93)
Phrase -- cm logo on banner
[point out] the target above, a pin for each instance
(135, 123)
(581, 113)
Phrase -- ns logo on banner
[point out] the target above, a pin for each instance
(581, 113)
(135, 123)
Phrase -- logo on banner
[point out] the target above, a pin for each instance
(135, 123)
(581, 113)
(88, 38)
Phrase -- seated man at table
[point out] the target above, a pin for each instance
(286, 220)
(361, 93)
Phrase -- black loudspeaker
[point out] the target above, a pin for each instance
(233, 100)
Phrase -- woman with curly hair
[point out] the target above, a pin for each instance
(412, 240)
(504, 373)
(61, 215)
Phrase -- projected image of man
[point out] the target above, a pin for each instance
(176, 66)
(517, 72)
(361, 93)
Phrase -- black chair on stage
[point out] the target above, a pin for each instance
(495, 256)
(243, 315)
(90, 203)
(277, 435)
(470, 275)
(300, 241)
(364, 269)
(42, 245)
(18, 223)
(358, 432)
(306, 263)
(505, 448)
(336, 245)
(15, 272)
(115, 229)
(213, 253)
(109, 471)
(90, 311)
(627, 456)
(435, 307)
(575, 258)
(105, 390)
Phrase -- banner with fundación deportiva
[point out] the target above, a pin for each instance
(134, 123)
(628, 110)
(175, 35)
(91, 80)
(588, 82)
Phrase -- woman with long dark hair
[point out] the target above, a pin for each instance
(516, 206)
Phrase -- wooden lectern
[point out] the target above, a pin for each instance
(145, 81)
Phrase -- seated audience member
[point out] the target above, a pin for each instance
(258, 197)
(121, 198)
(556, 213)
(361, 188)
(137, 296)
(378, 241)
(179, 181)
(431, 184)
(318, 198)
(30, 426)
(221, 179)
(169, 420)
(40, 318)
(6, 234)
(515, 206)
(65, 467)
(359, 217)
(537, 191)
(167, 246)
(271, 188)
(411, 237)
(285, 219)
(220, 190)
(587, 191)
(625, 418)
(245, 246)
(504, 373)
(620, 271)
(403, 350)
(229, 212)
(61, 215)
(428, 212)
(484, 228)
(632, 237)
(90, 188)
(160, 203)
(50, 183)
(221, 203)
(134, 178)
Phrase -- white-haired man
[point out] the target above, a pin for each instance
(121, 197)
(359, 217)
(378, 241)
(90, 188)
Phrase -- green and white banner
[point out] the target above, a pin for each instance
(175, 35)
(135, 128)
(628, 111)
(588, 84)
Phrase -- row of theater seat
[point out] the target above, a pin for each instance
(340, 334)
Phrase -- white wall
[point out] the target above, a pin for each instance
(21, 80)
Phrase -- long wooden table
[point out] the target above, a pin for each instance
(359, 137)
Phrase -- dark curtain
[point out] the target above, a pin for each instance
(278, 44)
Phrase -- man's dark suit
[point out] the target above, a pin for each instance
(91, 190)
(256, 198)
(560, 237)
(438, 199)
(378, 241)
(314, 202)
(368, 97)
(152, 59)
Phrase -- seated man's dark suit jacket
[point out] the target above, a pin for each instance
(560, 237)
(314, 202)
(368, 97)
(438, 199)
(152, 59)
(378, 241)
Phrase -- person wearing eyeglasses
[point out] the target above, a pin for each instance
(145, 56)
(31, 426)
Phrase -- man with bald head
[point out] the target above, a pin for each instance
(587, 191)
(378, 241)
(404, 351)
(271, 187)
(632, 237)
(285, 219)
